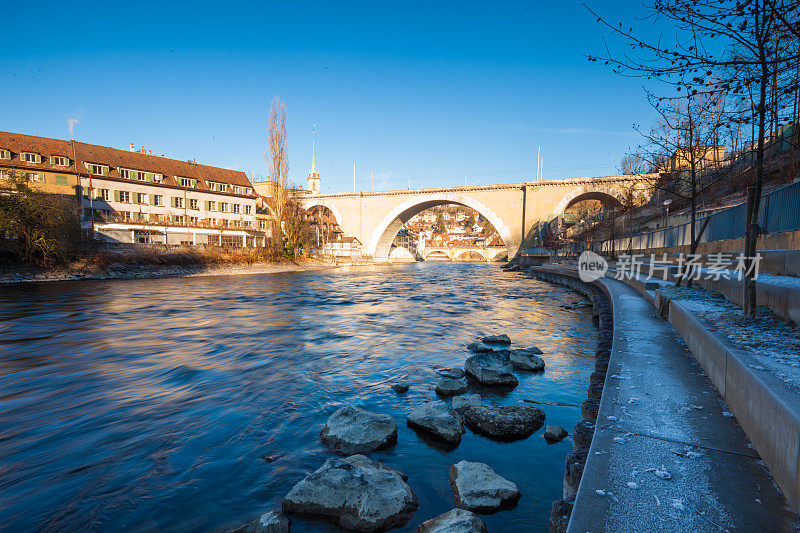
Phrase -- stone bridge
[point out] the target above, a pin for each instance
(514, 209)
(467, 253)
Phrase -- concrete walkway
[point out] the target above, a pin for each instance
(667, 454)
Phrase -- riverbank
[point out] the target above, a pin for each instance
(77, 272)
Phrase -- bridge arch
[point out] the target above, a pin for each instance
(436, 253)
(607, 195)
(384, 233)
(470, 255)
(330, 206)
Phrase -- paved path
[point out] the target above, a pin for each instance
(666, 454)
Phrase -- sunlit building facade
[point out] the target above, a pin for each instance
(132, 196)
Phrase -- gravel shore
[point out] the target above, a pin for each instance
(123, 271)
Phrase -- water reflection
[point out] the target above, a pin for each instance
(151, 404)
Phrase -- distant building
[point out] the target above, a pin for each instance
(346, 247)
(132, 196)
(705, 156)
(406, 239)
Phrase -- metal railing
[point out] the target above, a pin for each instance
(779, 212)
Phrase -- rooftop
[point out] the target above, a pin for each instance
(80, 153)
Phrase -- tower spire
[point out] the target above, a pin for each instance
(314, 149)
(313, 176)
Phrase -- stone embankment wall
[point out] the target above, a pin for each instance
(584, 430)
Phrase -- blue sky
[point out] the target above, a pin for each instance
(429, 91)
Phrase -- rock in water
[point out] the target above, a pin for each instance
(526, 360)
(492, 368)
(451, 387)
(271, 522)
(506, 422)
(353, 430)
(438, 419)
(462, 403)
(553, 434)
(400, 388)
(455, 521)
(478, 488)
(497, 339)
(354, 493)
(478, 348)
(454, 373)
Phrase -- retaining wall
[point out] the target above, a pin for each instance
(583, 431)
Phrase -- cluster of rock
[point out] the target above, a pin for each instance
(583, 432)
(359, 494)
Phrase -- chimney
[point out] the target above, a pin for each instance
(151, 152)
(142, 150)
(132, 149)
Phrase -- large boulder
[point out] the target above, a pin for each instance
(480, 489)
(455, 521)
(354, 493)
(502, 339)
(352, 430)
(271, 522)
(526, 360)
(477, 347)
(493, 368)
(437, 419)
(454, 373)
(451, 387)
(462, 403)
(504, 422)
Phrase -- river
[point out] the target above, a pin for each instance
(151, 405)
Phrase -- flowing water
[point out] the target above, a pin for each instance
(195, 404)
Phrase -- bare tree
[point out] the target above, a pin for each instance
(684, 140)
(277, 158)
(739, 47)
(633, 164)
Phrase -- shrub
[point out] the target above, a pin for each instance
(35, 227)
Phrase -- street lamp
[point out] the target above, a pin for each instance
(666, 212)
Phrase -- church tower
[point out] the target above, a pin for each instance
(313, 176)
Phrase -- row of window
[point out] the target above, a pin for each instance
(127, 173)
(36, 177)
(32, 157)
(133, 216)
(144, 237)
(128, 197)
